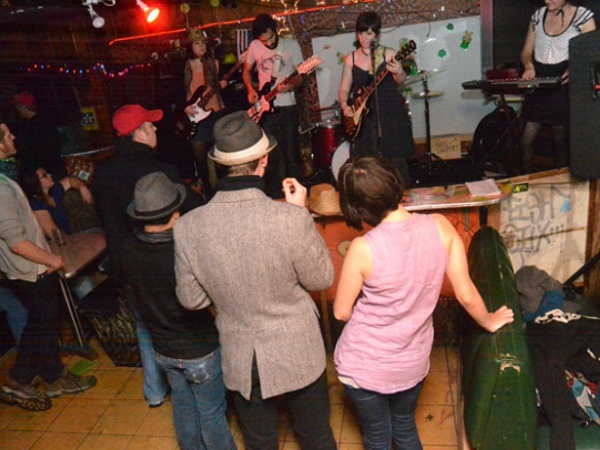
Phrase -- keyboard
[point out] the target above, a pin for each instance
(506, 84)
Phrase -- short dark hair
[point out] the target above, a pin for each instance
(242, 169)
(370, 188)
(261, 24)
(368, 19)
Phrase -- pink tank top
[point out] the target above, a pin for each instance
(385, 346)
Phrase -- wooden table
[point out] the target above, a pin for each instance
(450, 197)
(79, 251)
(337, 235)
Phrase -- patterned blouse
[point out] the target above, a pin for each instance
(554, 49)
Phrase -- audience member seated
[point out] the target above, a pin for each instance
(46, 199)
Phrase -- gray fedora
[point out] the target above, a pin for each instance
(155, 196)
(238, 140)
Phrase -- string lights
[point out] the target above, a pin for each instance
(96, 68)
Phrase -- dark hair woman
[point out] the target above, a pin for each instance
(388, 288)
(46, 197)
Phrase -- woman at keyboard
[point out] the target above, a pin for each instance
(546, 54)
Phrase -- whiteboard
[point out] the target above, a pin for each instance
(451, 46)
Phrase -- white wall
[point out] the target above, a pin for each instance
(438, 46)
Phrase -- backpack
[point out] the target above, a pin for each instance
(495, 142)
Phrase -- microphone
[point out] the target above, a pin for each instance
(373, 45)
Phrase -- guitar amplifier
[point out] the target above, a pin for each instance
(584, 91)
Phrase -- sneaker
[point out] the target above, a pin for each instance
(26, 397)
(70, 384)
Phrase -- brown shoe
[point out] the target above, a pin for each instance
(70, 384)
(25, 396)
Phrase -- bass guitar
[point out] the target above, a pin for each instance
(185, 124)
(358, 99)
(268, 92)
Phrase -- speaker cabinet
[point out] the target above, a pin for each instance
(584, 79)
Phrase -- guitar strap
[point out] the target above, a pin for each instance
(276, 66)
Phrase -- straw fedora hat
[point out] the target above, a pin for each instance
(324, 200)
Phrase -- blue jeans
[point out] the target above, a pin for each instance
(16, 314)
(156, 386)
(38, 351)
(387, 417)
(198, 397)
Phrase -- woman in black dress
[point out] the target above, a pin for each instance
(395, 141)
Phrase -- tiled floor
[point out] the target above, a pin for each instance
(113, 415)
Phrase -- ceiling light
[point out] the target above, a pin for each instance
(151, 13)
(97, 21)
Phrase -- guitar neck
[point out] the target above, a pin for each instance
(233, 70)
(289, 79)
(369, 90)
(378, 80)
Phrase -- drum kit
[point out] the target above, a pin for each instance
(331, 149)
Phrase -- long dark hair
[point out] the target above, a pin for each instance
(32, 186)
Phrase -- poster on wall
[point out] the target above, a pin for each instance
(545, 225)
(448, 52)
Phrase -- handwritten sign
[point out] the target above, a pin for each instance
(446, 147)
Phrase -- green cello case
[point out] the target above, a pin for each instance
(500, 409)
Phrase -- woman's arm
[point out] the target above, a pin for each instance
(345, 86)
(395, 67)
(590, 25)
(527, 54)
(46, 222)
(76, 183)
(358, 265)
(464, 289)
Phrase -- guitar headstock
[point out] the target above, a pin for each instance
(406, 49)
(309, 65)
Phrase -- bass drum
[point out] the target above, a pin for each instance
(324, 141)
(340, 156)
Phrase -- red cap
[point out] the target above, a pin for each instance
(25, 99)
(130, 117)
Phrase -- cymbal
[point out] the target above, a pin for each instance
(423, 74)
(421, 95)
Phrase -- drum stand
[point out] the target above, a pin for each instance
(428, 153)
(431, 163)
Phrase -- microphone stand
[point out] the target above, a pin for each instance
(374, 46)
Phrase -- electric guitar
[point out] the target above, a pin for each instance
(268, 93)
(185, 124)
(360, 96)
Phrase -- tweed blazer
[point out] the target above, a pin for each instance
(256, 258)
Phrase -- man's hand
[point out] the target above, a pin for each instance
(294, 192)
(54, 263)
